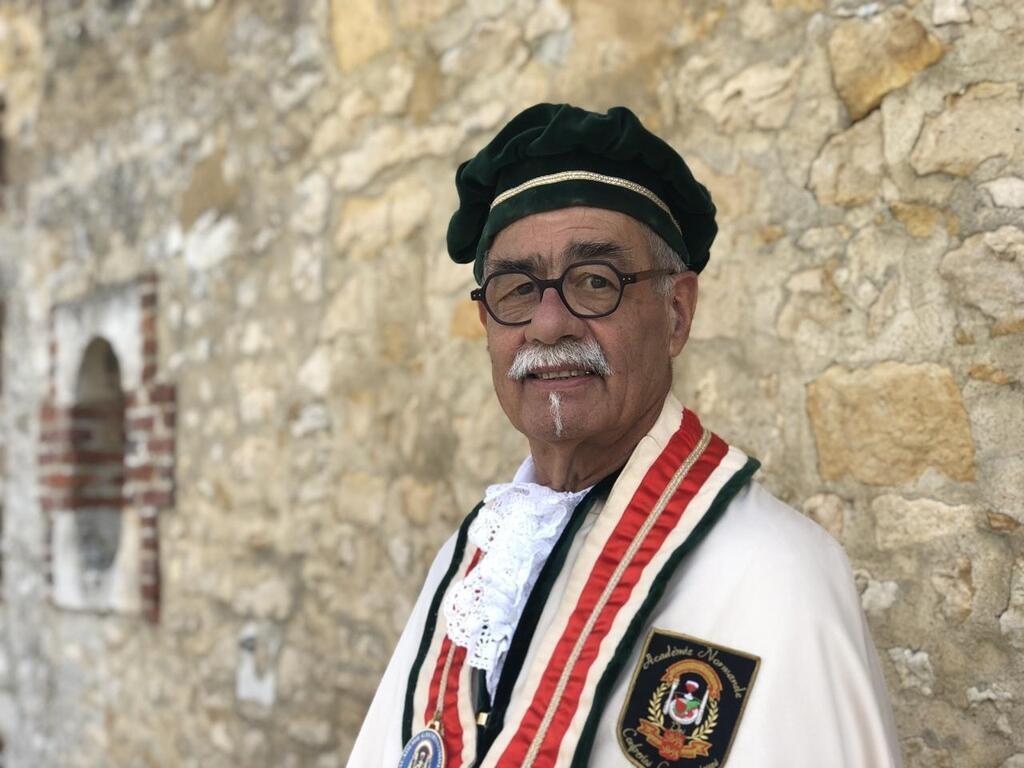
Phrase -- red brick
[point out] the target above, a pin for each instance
(98, 410)
(157, 498)
(149, 372)
(50, 413)
(149, 347)
(93, 457)
(103, 502)
(170, 419)
(145, 472)
(148, 299)
(161, 445)
(55, 457)
(162, 393)
(140, 423)
(61, 480)
(59, 436)
(64, 436)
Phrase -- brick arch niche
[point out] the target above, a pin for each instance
(106, 452)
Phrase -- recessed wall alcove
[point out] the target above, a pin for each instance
(106, 452)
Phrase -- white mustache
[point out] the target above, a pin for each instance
(580, 354)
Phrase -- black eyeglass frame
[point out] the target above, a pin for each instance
(625, 278)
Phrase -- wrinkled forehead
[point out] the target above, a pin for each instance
(549, 242)
(551, 263)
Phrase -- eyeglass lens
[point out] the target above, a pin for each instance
(590, 290)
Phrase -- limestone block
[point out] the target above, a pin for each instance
(367, 225)
(619, 41)
(807, 6)
(253, 338)
(887, 424)
(984, 121)
(315, 373)
(914, 669)
(416, 499)
(338, 127)
(997, 521)
(21, 71)
(956, 586)
(399, 82)
(828, 511)
(360, 29)
(261, 592)
(901, 522)
(392, 145)
(422, 12)
(310, 731)
(902, 118)
(989, 373)
(878, 596)
(210, 241)
(492, 46)
(735, 194)
(1007, 192)
(1011, 622)
(871, 57)
(307, 272)
(987, 272)
(466, 321)
(950, 12)
(330, 760)
(312, 199)
(920, 220)
(849, 170)
(760, 96)
(551, 16)
(207, 190)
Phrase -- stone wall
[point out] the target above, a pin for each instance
(284, 170)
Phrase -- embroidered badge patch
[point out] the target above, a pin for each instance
(685, 702)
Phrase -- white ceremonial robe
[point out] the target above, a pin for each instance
(766, 581)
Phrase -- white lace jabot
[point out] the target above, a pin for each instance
(516, 528)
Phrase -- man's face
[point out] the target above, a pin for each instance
(638, 340)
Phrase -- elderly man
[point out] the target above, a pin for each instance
(632, 596)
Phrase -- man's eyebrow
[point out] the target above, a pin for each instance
(584, 250)
(531, 264)
(578, 250)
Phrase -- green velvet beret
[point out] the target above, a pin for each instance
(553, 156)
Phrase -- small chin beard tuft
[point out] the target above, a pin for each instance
(555, 401)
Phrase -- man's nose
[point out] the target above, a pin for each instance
(552, 320)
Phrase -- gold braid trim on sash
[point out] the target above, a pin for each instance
(615, 181)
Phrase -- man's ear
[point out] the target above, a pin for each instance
(684, 304)
(482, 310)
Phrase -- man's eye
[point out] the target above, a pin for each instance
(595, 282)
(518, 291)
(523, 289)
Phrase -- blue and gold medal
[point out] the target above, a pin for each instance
(425, 749)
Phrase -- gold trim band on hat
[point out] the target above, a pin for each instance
(615, 181)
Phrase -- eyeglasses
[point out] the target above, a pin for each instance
(588, 289)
